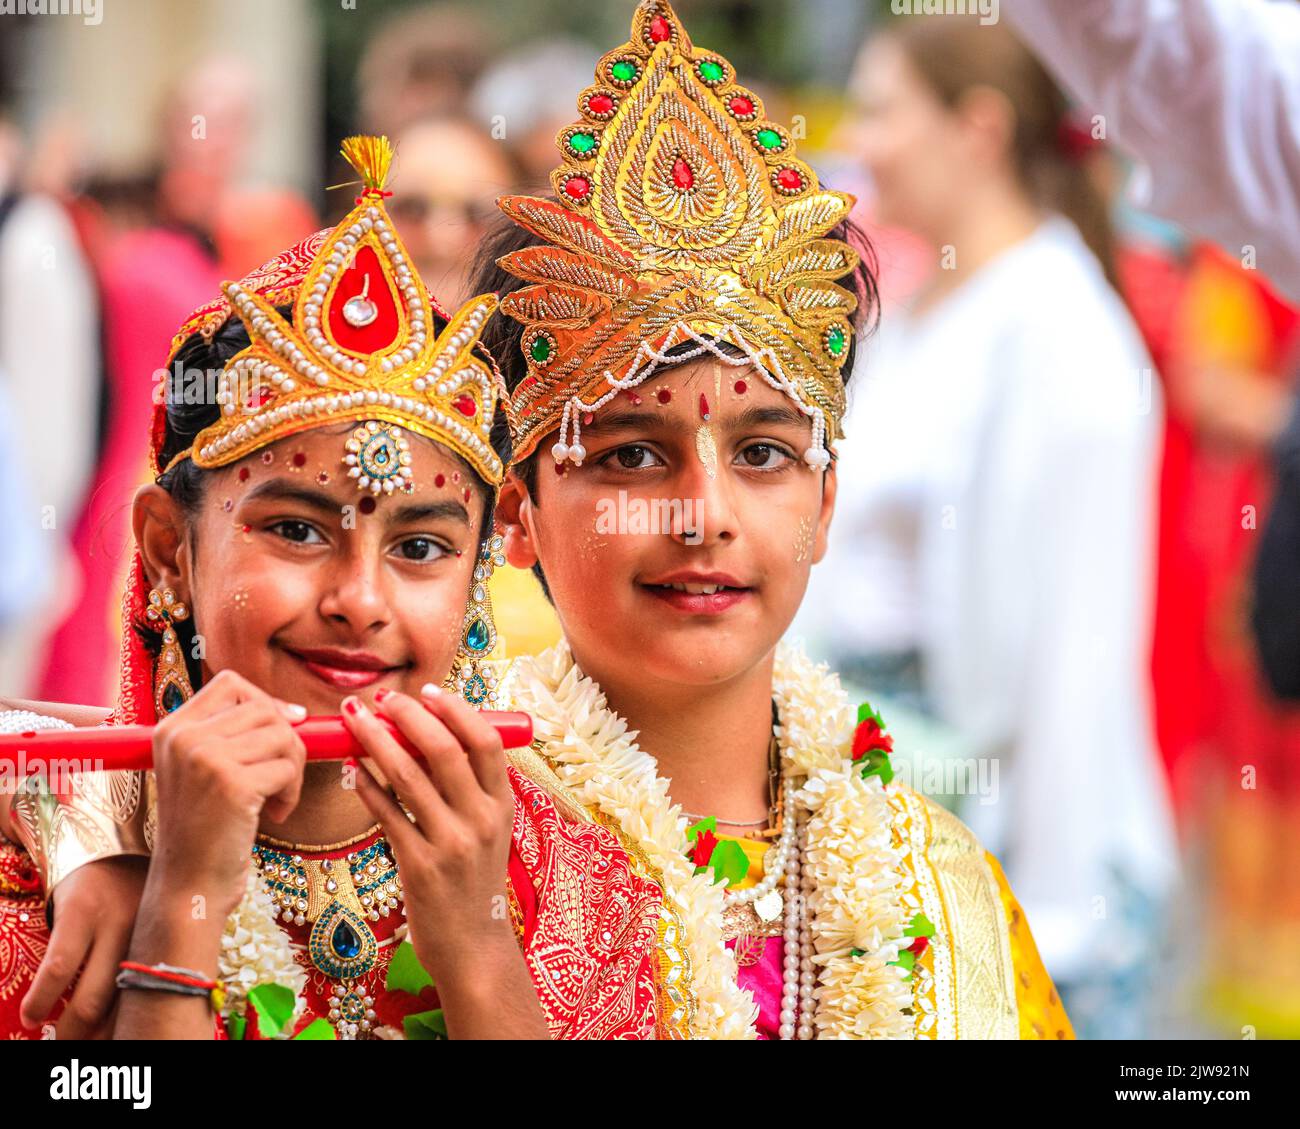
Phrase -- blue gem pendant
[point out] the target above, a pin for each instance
(472, 676)
(340, 896)
(341, 944)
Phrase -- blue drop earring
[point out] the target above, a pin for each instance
(472, 675)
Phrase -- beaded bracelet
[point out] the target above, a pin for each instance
(169, 978)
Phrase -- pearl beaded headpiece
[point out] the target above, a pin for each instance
(361, 348)
(681, 214)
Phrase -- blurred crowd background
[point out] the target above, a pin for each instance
(1019, 577)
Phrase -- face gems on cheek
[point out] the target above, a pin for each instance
(244, 473)
(239, 600)
(323, 478)
(706, 448)
(244, 531)
(562, 470)
(268, 457)
(803, 540)
(704, 407)
(634, 398)
(440, 481)
(228, 505)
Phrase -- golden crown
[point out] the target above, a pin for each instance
(681, 214)
(361, 347)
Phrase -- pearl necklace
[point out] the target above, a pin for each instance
(785, 865)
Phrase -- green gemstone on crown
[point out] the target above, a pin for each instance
(540, 350)
(711, 71)
(623, 70)
(770, 139)
(582, 142)
(835, 340)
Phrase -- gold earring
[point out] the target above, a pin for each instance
(471, 675)
(171, 680)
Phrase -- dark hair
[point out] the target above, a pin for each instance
(504, 335)
(187, 415)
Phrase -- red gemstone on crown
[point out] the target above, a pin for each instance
(683, 177)
(257, 397)
(741, 106)
(465, 404)
(660, 30)
(600, 105)
(577, 187)
(790, 179)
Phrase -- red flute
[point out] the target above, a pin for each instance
(115, 747)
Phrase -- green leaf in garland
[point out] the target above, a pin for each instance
(920, 927)
(709, 824)
(425, 1025)
(405, 972)
(235, 1026)
(729, 861)
(317, 1029)
(865, 712)
(875, 762)
(906, 961)
(274, 1004)
(857, 952)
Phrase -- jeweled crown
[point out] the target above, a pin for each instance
(361, 347)
(680, 213)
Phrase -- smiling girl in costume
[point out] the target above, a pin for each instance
(686, 315)
(312, 538)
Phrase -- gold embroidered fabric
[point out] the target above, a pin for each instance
(1042, 1015)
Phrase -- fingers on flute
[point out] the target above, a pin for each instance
(403, 773)
(475, 734)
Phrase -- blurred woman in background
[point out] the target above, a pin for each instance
(991, 559)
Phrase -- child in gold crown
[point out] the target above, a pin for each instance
(319, 539)
(684, 315)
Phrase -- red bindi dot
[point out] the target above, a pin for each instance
(323, 477)
(247, 528)
(367, 505)
(467, 495)
(704, 406)
(741, 387)
(299, 459)
(440, 481)
(243, 474)
(664, 395)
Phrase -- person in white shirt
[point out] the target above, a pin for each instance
(996, 510)
(1207, 94)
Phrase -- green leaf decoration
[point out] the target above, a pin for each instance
(875, 762)
(865, 712)
(405, 972)
(235, 1026)
(709, 824)
(919, 927)
(729, 861)
(274, 1005)
(425, 1025)
(317, 1029)
(857, 952)
(906, 961)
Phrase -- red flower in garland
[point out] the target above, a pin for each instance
(870, 735)
(919, 945)
(392, 1005)
(705, 842)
